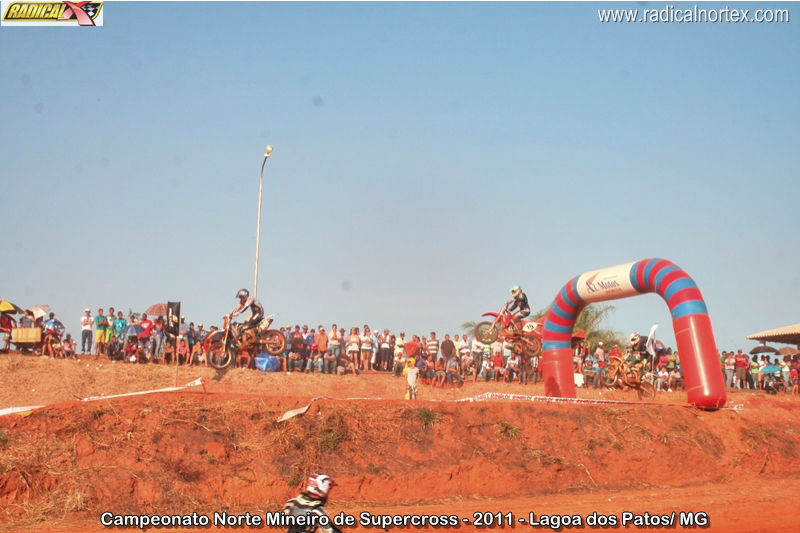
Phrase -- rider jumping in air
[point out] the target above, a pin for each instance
(519, 301)
(248, 302)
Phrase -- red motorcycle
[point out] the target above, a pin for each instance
(525, 336)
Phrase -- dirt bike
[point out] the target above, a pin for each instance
(232, 341)
(621, 376)
(525, 337)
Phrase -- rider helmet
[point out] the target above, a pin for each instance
(515, 290)
(634, 338)
(243, 293)
(319, 485)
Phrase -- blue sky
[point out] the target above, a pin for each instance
(427, 158)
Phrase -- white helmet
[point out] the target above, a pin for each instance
(319, 485)
(635, 338)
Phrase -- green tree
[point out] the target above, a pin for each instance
(590, 320)
(468, 327)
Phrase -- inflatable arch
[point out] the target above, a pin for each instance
(705, 384)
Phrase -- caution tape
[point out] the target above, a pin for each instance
(505, 397)
(22, 410)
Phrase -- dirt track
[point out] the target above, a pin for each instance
(194, 451)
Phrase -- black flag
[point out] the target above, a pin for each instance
(173, 318)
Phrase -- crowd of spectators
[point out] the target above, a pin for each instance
(759, 373)
(438, 362)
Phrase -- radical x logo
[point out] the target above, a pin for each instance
(49, 13)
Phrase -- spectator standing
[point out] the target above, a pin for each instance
(366, 349)
(752, 376)
(119, 325)
(159, 336)
(512, 367)
(100, 325)
(7, 323)
(400, 343)
(110, 332)
(412, 373)
(742, 366)
(354, 346)
(600, 354)
(464, 348)
(448, 347)
(191, 337)
(147, 325)
(730, 369)
(86, 331)
(321, 340)
(589, 370)
(432, 345)
(376, 345)
(497, 365)
(385, 352)
(295, 361)
(335, 341)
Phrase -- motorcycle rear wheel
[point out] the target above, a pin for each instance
(485, 333)
(273, 341)
(218, 357)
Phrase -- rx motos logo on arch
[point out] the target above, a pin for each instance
(64, 13)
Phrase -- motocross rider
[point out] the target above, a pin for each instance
(311, 502)
(519, 301)
(248, 302)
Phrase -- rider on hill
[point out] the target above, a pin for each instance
(310, 504)
(519, 301)
(248, 302)
(634, 364)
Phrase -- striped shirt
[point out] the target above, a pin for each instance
(432, 346)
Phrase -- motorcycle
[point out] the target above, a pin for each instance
(225, 345)
(525, 337)
(621, 376)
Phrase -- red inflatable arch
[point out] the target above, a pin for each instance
(705, 385)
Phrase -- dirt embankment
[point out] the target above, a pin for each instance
(195, 451)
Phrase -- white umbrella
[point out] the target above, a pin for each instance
(39, 311)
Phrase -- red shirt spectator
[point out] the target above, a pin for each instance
(741, 359)
(147, 324)
(497, 361)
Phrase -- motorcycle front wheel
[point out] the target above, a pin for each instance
(646, 390)
(218, 357)
(612, 375)
(485, 333)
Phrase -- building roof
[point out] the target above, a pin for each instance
(786, 335)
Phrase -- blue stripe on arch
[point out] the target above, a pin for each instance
(632, 276)
(560, 329)
(567, 300)
(555, 345)
(663, 272)
(692, 307)
(678, 285)
(646, 275)
(563, 314)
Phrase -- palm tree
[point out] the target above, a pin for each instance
(468, 327)
(590, 321)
